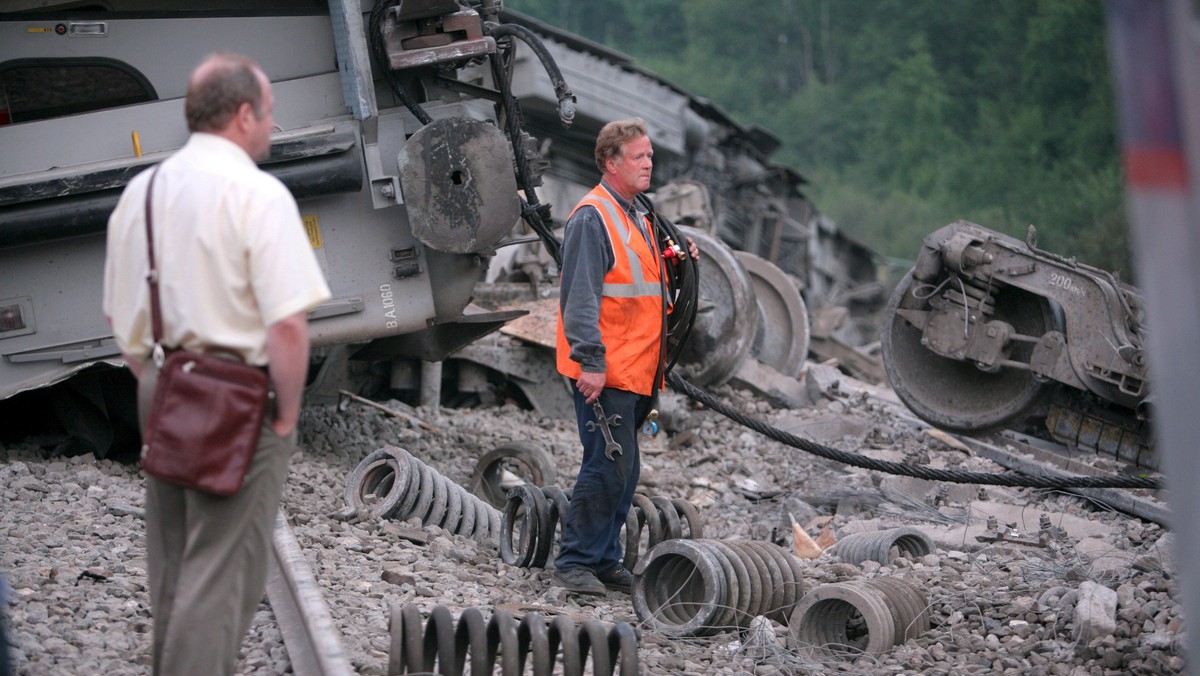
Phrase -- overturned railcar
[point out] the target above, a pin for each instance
(421, 139)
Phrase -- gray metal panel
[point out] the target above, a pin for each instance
(356, 242)
(304, 102)
(106, 135)
(353, 59)
(63, 281)
(90, 137)
(286, 46)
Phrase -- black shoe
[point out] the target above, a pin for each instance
(579, 580)
(618, 579)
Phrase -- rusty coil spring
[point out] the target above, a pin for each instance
(438, 646)
(857, 616)
(541, 513)
(884, 546)
(702, 587)
(391, 483)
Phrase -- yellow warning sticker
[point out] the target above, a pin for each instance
(39, 29)
(312, 227)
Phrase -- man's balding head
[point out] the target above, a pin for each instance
(229, 95)
(218, 86)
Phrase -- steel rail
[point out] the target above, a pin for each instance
(311, 638)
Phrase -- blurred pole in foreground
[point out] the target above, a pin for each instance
(1154, 47)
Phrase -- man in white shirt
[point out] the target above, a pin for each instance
(235, 271)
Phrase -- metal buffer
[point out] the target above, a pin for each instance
(726, 317)
(391, 483)
(439, 646)
(701, 587)
(858, 616)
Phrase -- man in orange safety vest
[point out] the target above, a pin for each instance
(612, 344)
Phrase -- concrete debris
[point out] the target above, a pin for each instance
(775, 386)
(822, 381)
(1096, 611)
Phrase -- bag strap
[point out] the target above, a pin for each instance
(152, 276)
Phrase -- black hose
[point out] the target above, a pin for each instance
(535, 214)
(682, 282)
(566, 100)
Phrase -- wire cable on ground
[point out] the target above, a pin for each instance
(682, 386)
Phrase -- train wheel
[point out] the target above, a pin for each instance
(727, 314)
(955, 394)
(781, 334)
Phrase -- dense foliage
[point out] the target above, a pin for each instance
(904, 114)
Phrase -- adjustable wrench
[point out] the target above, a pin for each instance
(604, 422)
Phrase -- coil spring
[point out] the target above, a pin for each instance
(391, 483)
(884, 546)
(701, 587)
(529, 459)
(870, 615)
(542, 511)
(506, 642)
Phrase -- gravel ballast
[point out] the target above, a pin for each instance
(1101, 601)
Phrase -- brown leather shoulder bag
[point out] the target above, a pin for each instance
(207, 412)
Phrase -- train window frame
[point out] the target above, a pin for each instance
(85, 102)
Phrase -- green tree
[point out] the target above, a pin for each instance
(904, 114)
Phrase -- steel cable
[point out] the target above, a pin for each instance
(682, 386)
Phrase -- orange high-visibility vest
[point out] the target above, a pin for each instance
(631, 304)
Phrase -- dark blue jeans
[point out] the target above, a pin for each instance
(604, 488)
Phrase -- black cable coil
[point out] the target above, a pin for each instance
(439, 646)
(541, 513)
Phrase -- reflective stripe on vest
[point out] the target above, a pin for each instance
(639, 286)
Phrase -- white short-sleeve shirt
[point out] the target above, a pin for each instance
(232, 254)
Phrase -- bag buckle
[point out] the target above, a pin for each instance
(158, 355)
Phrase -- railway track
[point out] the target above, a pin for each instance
(311, 638)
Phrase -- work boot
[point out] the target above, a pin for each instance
(579, 580)
(618, 579)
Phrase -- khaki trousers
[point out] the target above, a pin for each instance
(207, 558)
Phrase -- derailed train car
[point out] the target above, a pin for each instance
(419, 138)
